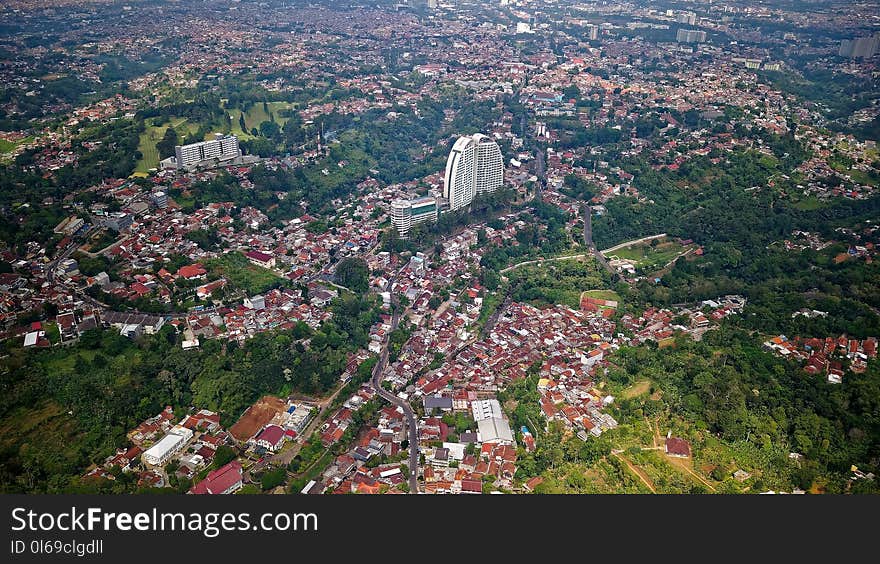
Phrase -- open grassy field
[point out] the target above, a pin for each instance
(6, 146)
(648, 257)
(810, 203)
(236, 126)
(275, 107)
(637, 389)
(256, 115)
(147, 147)
(242, 274)
(152, 135)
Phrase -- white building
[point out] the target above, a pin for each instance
(690, 36)
(485, 409)
(173, 442)
(490, 165)
(494, 430)
(474, 167)
(221, 148)
(689, 18)
(406, 213)
(860, 47)
(160, 199)
(592, 32)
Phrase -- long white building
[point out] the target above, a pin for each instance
(222, 148)
(474, 167)
(173, 442)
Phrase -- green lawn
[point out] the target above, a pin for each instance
(257, 115)
(810, 203)
(236, 127)
(152, 135)
(147, 147)
(274, 107)
(242, 274)
(6, 146)
(647, 256)
(637, 389)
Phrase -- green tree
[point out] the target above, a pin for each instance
(273, 478)
(354, 274)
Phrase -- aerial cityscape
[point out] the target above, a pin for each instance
(439, 247)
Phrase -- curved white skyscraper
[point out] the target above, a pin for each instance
(474, 167)
(490, 165)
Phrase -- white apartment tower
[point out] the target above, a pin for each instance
(490, 165)
(474, 167)
(592, 32)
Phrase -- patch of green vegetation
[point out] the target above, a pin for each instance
(558, 282)
(147, 147)
(235, 127)
(250, 278)
(7, 146)
(651, 255)
(809, 203)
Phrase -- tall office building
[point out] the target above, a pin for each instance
(406, 213)
(160, 199)
(474, 167)
(222, 148)
(690, 36)
(592, 32)
(688, 18)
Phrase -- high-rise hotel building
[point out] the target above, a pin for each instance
(474, 167)
(406, 213)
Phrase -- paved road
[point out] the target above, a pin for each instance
(634, 242)
(50, 274)
(540, 172)
(493, 319)
(411, 424)
(535, 261)
(587, 216)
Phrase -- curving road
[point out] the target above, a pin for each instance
(411, 424)
(587, 216)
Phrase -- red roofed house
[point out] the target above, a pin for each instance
(678, 447)
(192, 271)
(271, 438)
(533, 483)
(261, 259)
(224, 480)
(471, 486)
(207, 289)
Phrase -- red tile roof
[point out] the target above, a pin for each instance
(679, 447)
(220, 480)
